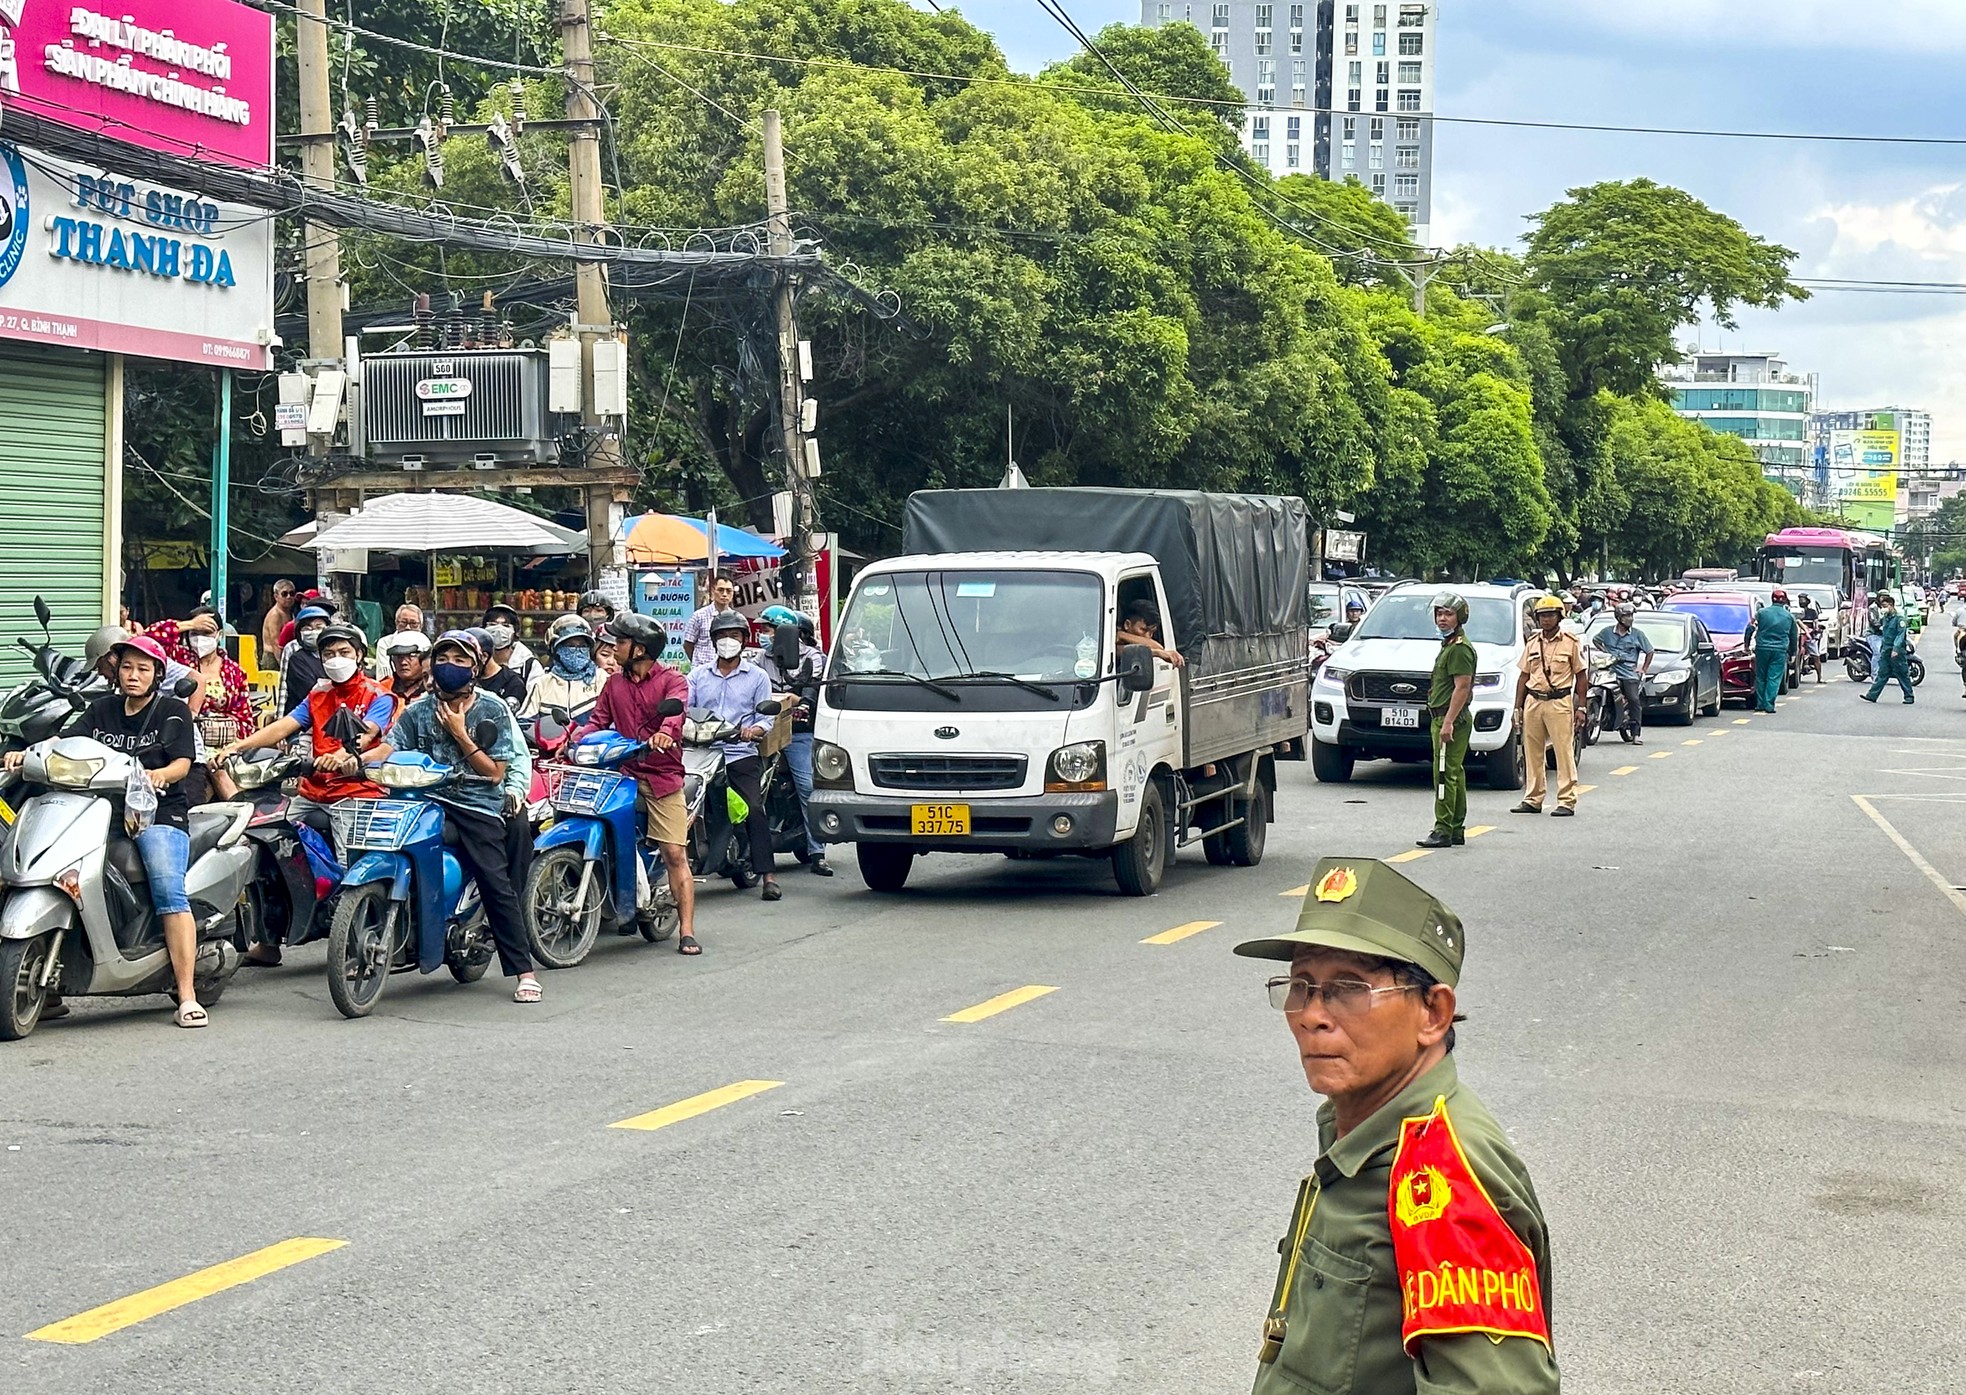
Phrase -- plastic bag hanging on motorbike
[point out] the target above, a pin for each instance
(735, 803)
(139, 801)
(321, 861)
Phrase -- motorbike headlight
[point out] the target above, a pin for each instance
(406, 777)
(1080, 765)
(587, 755)
(830, 762)
(70, 773)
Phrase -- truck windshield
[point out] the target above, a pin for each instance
(1410, 615)
(976, 631)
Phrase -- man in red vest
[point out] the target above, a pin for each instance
(1417, 1257)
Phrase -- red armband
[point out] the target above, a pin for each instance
(1462, 1268)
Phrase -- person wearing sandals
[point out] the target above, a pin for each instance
(440, 724)
(628, 704)
(160, 733)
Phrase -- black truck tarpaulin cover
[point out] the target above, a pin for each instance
(1236, 566)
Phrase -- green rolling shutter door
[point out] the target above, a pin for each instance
(53, 434)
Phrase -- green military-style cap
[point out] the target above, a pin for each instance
(1362, 905)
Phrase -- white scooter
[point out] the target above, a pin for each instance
(76, 918)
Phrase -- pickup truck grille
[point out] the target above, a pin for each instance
(904, 772)
(1380, 687)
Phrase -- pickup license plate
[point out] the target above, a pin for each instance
(1400, 717)
(940, 820)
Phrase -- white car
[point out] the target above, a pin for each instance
(1370, 699)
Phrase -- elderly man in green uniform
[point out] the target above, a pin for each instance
(1447, 702)
(1417, 1259)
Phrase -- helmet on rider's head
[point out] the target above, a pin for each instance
(311, 612)
(1548, 603)
(1779, 596)
(1625, 610)
(501, 608)
(1454, 601)
(641, 630)
(730, 622)
(777, 615)
(101, 642)
(807, 630)
(482, 637)
(571, 629)
(594, 600)
(466, 642)
(561, 624)
(403, 642)
(341, 630)
(146, 646)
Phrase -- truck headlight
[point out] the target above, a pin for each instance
(1080, 766)
(1488, 680)
(830, 763)
(1328, 674)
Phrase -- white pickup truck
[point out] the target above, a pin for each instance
(977, 698)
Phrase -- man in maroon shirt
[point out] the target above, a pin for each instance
(627, 704)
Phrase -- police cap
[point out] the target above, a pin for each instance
(1364, 906)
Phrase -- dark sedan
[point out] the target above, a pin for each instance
(1684, 681)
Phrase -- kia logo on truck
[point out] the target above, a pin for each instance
(947, 733)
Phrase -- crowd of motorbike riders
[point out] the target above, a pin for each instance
(498, 720)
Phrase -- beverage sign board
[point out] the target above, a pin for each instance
(185, 77)
(94, 261)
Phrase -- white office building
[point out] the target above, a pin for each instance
(1755, 397)
(1336, 88)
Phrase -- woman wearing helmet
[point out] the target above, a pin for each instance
(405, 659)
(158, 731)
(508, 654)
(300, 661)
(572, 679)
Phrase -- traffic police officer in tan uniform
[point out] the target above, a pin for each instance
(1416, 1258)
(1552, 698)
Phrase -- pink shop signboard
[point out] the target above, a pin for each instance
(185, 77)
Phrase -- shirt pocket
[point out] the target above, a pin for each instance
(1326, 1318)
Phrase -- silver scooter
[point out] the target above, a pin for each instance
(76, 918)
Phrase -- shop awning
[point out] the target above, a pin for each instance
(447, 523)
(669, 540)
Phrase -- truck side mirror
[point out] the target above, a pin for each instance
(1135, 668)
(1340, 632)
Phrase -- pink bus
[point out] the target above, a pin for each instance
(1857, 565)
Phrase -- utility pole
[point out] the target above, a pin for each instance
(222, 494)
(791, 382)
(1418, 276)
(321, 257)
(591, 313)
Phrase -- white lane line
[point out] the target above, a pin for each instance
(1946, 888)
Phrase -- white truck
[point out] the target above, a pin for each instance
(977, 698)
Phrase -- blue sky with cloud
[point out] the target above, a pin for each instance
(1866, 211)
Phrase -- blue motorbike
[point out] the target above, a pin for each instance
(584, 872)
(406, 902)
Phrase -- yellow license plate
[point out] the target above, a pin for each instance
(940, 820)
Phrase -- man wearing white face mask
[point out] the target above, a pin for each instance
(732, 687)
(502, 624)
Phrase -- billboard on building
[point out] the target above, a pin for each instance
(186, 77)
(91, 260)
(1864, 471)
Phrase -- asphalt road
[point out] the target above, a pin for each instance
(1720, 1014)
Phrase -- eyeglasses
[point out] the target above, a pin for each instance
(1344, 997)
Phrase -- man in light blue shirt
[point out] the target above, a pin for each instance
(733, 687)
(1626, 643)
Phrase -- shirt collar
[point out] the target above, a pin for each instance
(1347, 1155)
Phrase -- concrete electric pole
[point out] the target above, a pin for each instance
(590, 278)
(800, 461)
(321, 255)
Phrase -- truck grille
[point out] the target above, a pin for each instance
(1381, 687)
(904, 772)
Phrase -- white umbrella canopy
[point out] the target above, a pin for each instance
(439, 523)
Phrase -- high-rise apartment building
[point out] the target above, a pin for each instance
(1754, 397)
(1335, 88)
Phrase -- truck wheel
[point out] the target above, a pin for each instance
(884, 866)
(1140, 860)
(1331, 764)
(1246, 842)
(1505, 770)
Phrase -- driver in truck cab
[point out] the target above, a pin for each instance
(1141, 625)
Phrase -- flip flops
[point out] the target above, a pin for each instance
(528, 991)
(688, 945)
(191, 1015)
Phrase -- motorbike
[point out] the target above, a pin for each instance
(1603, 697)
(38, 709)
(591, 865)
(716, 847)
(285, 904)
(1856, 663)
(75, 919)
(405, 902)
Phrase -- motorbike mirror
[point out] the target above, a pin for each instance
(344, 726)
(42, 613)
(560, 715)
(485, 734)
(769, 707)
(1340, 632)
(669, 707)
(550, 726)
(1135, 667)
(184, 687)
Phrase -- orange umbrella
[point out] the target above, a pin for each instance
(667, 540)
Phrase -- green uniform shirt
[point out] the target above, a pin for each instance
(1456, 657)
(1343, 1313)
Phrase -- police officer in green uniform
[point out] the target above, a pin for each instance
(1447, 702)
(1416, 1258)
